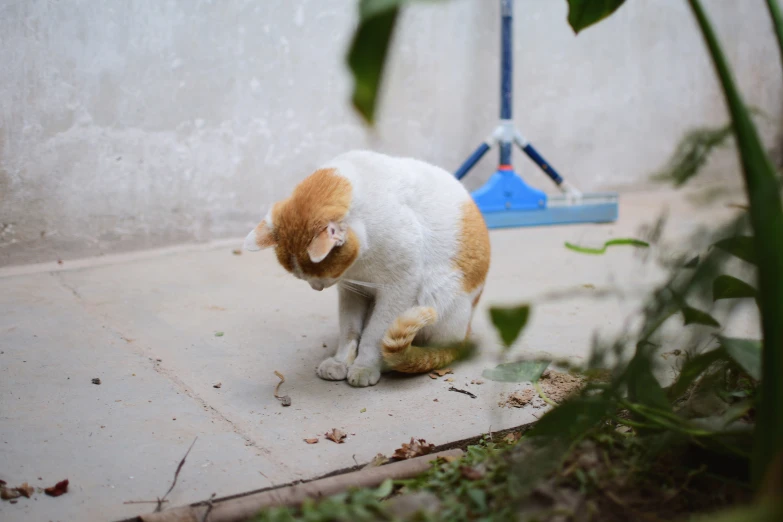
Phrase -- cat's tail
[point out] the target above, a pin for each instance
(401, 356)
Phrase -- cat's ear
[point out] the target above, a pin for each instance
(331, 236)
(260, 237)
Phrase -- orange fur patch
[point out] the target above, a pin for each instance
(474, 251)
(320, 198)
(401, 333)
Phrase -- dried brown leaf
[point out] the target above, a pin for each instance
(512, 437)
(476, 381)
(433, 375)
(312, 441)
(443, 371)
(415, 448)
(26, 490)
(9, 493)
(379, 460)
(335, 435)
(58, 489)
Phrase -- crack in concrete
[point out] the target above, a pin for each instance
(170, 376)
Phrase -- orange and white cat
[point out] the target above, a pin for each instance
(407, 248)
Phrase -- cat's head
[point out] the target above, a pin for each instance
(308, 230)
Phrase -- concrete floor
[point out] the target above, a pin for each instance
(145, 325)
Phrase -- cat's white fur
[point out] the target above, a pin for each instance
(406, 215)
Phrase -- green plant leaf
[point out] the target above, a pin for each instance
(367, 56)
(522, 371)
(693, 368)
(766, 217)
(739, 246)
(693, 316)
(612, 242)
(745, 352)
(509, 322)
(385, 489)
(479, 498)
(643, 387)
(572, 418)
(584, 13)
(729, 287)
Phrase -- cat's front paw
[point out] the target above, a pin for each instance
(361, 376)
(332, 370)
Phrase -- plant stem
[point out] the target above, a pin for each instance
(766, 217)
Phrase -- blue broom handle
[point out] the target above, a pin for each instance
(506, 69)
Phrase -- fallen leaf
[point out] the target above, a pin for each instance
(58, 489)
(236, 252)
(379, 460)
(26, 490)
(362, 410)
(476, 381)
(217, 385)
(9, 493)
(470, 473)
(521, 371)
(96, 381)
(443, 371)
(415, 448)
(335, 435)
(450, 379)
(432, 375)
(514, 436)
(312, 441)
(219, 334)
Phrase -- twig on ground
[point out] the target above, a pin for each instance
(144, 501)
(462, 391)
(285, 400)
(210, 505)
(176, 476)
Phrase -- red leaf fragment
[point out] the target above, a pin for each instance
(58, 489)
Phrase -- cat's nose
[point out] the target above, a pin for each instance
(317, 286)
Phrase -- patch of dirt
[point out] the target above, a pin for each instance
(559, 386)
(518, 399)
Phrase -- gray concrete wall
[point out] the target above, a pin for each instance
(141, 123)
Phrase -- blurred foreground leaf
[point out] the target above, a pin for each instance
(612, 242)
(729, 287)
(369, 50)
(693, 316)
(509, 322)
(572, 418)
(745, 352)
(739, 246)
(584, 13)
(522, 371)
